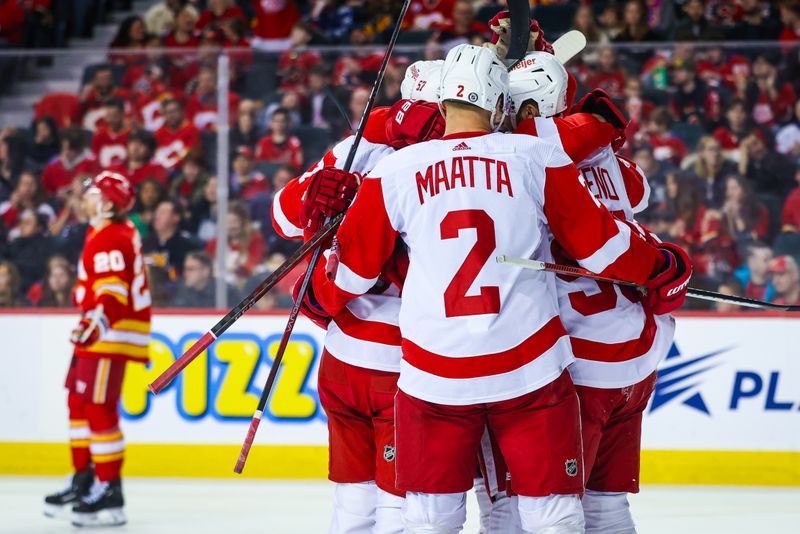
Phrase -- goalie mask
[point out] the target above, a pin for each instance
(540, 77)
(421, 81)
(473, 75)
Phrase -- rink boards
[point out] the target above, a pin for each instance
(726, 409)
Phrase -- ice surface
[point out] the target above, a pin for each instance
(226, 506)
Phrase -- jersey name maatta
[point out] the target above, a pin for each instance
(464, 171)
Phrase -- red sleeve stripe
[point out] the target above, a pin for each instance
(636, 184)
(611, 250)
(487, 364)
(281, 222)
(587, 349)
(376, 332)
(347, 280)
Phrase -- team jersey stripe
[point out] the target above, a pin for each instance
(610, 251)
(106, 458)
(101, 381)
(349, 281)
(131, 338)
(132, 325)
(488, 364)
(366, 330)
(103, 348)
(122, 299)
(587, 349)
(282, 223)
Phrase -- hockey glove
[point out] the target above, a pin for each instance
(91, 328)
(309, 307)
(330, 193)
(413, 121)
(666, 291)
(501, 26)
(599, 103)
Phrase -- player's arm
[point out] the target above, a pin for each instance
(605, 245)
(366, 240)
(636, 185)
(578, 134)
(108, 273)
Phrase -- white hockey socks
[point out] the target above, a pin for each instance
(607, 513)
(388, 513)
(434, 513)
(354, 508)
(554, 514)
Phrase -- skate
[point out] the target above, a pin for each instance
(59, 505)
(102, 506)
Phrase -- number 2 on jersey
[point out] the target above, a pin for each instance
(456, 301)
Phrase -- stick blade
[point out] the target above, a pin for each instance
(569, 45)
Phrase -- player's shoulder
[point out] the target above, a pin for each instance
(539, 152)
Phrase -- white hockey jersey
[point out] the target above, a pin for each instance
(365, 333)
(474, 330)
(616, 341)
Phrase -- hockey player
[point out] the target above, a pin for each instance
(359, 368)
(482, 344)
(114, 329)
(616, 339)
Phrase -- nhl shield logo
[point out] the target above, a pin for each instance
(388, 453)
(571, 467)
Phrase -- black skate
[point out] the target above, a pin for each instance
(102, 506)
(60, 504)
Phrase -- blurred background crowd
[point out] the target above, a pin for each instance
(711, 88)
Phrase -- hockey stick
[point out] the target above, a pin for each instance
(694, 293)
(273, 372)
(568, 46)
(519, 13)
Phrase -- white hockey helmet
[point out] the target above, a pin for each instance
(473, 75)
(421, 81)
(540, 77)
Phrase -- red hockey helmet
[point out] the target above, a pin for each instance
(116, 189)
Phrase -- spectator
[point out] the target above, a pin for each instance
(12, 160)
(177, 137)
(657, 133)
(57, 284)
(203, 219)
(45, 144)
(30, 247)
(131, 36)
(217, 12)
(461, 25)
(390, 88)
(160, 285)
(110, 140)
(273, 23)
(74, 160)
(710, 169)
(245, 246)
(358, 101)
(732, 287)
(754, 274)
(636, 107)
(278, 146)
(149, 195)
(771, 99)
(768, 171)
(790, 218)
(297, 60)
(94, 95)
(787, 140)
(27, 196)
(735, 129)
(246, 182)
(201, 108)
(693, 101)
(321, 110)
(140, 165)
(721, 69)
(745, 219)
(245, 132)
(160, 18)
(790, 18)
(695, 27)
(262, 212)
(636, 30)
(656, 172)
(183, 35)
(610, 20)
(10, 285)
(197, 288)
(786, 280)
(753, 24)
(69, 228)
(167, 245)
(607, 75)
(584, 22)
(189, 184)
(335, 20)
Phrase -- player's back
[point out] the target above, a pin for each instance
(458, 203)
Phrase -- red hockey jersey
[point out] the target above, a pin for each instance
(111, 273)
(149, 171)
(109, 147)
(173, 145)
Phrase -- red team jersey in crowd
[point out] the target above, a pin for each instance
(289, 152)
(365, 333)
(111, 272)
(274, 18)
(93, 107)
(59, 174)
(173, 145)
(109, 147)
(202, 111)
(151, 170)
(455, 211)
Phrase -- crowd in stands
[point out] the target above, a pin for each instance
(711, 89)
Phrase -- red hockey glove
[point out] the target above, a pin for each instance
(329, 194)
(90, 329)
(309, 307)
(500, 25)
(666, 291)
(413, 121)
(599, 103)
